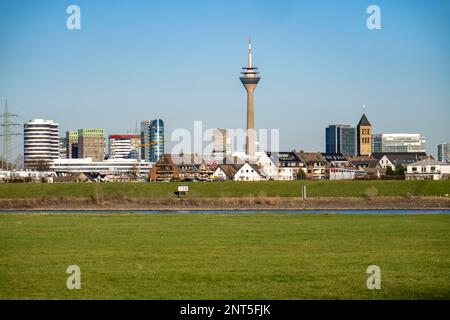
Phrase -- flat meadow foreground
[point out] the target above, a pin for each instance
(198, 256)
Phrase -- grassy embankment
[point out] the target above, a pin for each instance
(224, 256)
(228, 189)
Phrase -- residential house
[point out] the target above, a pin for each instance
(288, 164)
(371, 166)
(398, 158)
(237, 172)
(268, 168)
(336, 160)
(428, 169)
(316, 165)
(225, 171)
(164, 169)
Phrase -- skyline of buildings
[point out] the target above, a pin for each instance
(90, 143)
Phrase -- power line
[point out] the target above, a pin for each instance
(8, 124)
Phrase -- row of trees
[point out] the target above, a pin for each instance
(399, 171)
(17, 164)
(38, 165)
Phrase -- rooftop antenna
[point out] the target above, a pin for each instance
(250, 62)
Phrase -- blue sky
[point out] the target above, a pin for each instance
(180, 61)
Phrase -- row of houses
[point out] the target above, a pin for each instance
(294, 165)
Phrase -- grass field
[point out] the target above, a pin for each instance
(270, 256)
(229, 189)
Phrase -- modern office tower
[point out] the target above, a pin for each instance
(124, 146)
(221, 144)
(250, 79)
(364, 137)
(72, 144)
(340, 139)
(444, 152)
(91, 144)
(398, 143)
(62, 148)
(40, 142)
(152, 140)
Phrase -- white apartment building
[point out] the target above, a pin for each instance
(124, 146)
(40, 141)
(429, 169)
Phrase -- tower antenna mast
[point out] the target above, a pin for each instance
(8, 124)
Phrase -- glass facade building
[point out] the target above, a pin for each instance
(398, 142)
(444, 152)
(340, 139)
(152, 140)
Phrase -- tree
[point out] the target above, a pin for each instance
(301, 175)
(400, 170)
(389, 171)
(5, 164)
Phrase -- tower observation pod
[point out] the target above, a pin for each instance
(250, 78)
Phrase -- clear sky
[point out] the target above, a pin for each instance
(180, 61)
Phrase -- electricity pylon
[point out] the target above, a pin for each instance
(8, 124)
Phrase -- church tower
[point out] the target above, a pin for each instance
(364, 131)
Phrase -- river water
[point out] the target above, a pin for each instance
(235, 212)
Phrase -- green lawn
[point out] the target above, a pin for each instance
(266, 256)
(230, 189)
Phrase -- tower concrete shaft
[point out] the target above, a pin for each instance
(250, 79)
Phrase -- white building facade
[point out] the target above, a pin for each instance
(429, 169)
(40, 141)
(107, 167)
(124, 146)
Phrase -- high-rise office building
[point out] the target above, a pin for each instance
(443, 152)
(40, 142)
(62, 148)
(340, 139)
(72, 144)
(364, 137)
(250, 79)
(91, 144)
(221, 144)
(152, 140)
(398, 142)
(124, 146)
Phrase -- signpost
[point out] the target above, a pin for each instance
(182, 190)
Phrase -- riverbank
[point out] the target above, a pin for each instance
(247, 203)
(228, 189)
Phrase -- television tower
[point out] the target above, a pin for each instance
(250, 78)
(7, 125)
